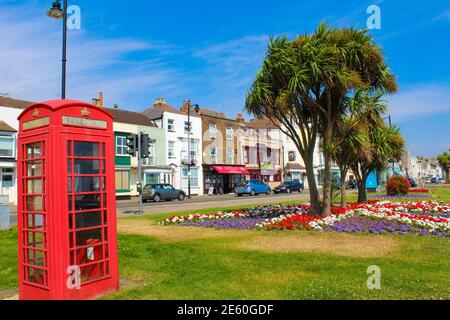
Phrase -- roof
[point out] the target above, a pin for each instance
(262, 123)
(156, 112)
(14, 103)
(6, 127)
(215, 114)
(125, 116)
(294, 166)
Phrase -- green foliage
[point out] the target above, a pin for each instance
(397, 185)
(444, 161)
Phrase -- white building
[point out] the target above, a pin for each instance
(10, 109)
(175, 123)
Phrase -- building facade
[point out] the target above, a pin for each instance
(262, 151)
(174, 122)
(10, 109)
(126, 166)
(223, 169)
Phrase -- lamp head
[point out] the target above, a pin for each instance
(56, 12)
(196, 108)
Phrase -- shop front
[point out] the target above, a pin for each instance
(158, 174)
(270, 176)
(294, 172)
(220, 179)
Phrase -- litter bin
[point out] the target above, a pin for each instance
(4, 213)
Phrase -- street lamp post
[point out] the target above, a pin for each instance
(57, 12)
(390, 125)
(197, 108)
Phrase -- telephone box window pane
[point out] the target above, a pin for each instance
(86, 149)
(88, 219)
(103, 166)
(34, 150)
(34, 168)
(35, 240)
(105, 218)
(87, 202)
(92, 272)
(87, 166)
(90, 254)
(103, 151)
(69, 166)
(35, 221)
(89, 237)
(34, 203)
(87, 184)
(34, 186)
(69, 148)
(69, 203)
(36, 276)
(36, 258)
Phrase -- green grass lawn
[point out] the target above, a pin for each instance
(185, 263)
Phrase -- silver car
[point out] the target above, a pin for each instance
(158, 192)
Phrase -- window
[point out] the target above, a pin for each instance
(123, 180)
(187, 127)
(150, 161)
(194, 177)
(230, 133)
(194, 148)
(213, 155)
(121, 146)
(7, 181)
(230, 156)
(171, 149)
(246, 155)
(152, 178)
(7, 147)
(292, 155)
(212, 131)
(171, 125)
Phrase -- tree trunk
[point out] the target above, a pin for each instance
(343, 173)
(313, 191)
(362, 191)
(326, 206)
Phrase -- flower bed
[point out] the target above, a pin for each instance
(412, 218)
(419, 191)
(401, 197)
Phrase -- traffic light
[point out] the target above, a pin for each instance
(132, 144)
(145, 144)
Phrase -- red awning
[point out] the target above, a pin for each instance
(231, 170)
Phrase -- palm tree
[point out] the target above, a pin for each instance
(303, 84)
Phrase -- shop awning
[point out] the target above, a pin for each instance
(231, 170)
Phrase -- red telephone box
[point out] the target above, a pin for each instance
(66, 208)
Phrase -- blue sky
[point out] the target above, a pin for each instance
(209, 51)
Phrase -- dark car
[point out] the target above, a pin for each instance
(288, 187)
(412, 183)
(158, 192)
(351, 184)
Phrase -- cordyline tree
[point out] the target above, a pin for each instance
(383, 143)
(350, 138)
(444, 162)
(302, 86)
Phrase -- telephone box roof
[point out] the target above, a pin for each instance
(59, 104)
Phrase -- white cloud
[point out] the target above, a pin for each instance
(419, 100)
(30, 62)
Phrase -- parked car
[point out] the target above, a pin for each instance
(288, 187)
(440, 181)
(252, 187)
(412, 182)
(158, 192)
(351, 184)
(433, 180)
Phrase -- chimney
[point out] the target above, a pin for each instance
(185, 106)
(240, 118)
(159, 102)
(100, 99)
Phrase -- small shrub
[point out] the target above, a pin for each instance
(397, 185)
